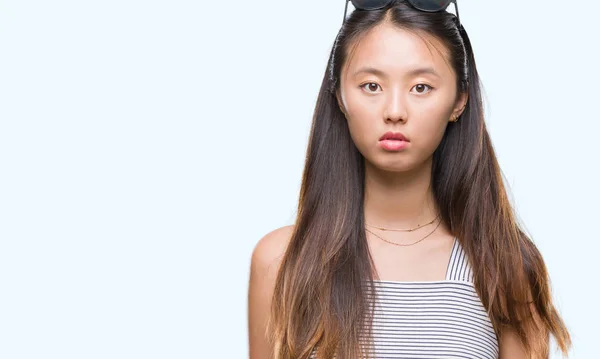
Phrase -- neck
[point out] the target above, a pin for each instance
(399, 200)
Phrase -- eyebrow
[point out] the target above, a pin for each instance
(414, 72)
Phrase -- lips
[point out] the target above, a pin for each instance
(393, 136)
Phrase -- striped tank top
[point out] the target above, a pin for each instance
(433, 319)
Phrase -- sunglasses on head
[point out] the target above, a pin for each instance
(423, 5)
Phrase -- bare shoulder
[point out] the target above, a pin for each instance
(269, 250)
(265, 263)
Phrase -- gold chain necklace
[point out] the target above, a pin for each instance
(404, 245)
(403, 230)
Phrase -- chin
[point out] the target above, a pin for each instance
(394, 165)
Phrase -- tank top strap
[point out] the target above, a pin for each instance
(459, 267)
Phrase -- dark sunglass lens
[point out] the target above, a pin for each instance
(430, 5)
(370, 4)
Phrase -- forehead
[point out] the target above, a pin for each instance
(397, 51)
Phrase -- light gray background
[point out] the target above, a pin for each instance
(146, 146)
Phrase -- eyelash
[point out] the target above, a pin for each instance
(431, 88)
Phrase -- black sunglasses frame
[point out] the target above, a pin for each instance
(380, 4)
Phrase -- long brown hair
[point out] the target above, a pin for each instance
(320, 295)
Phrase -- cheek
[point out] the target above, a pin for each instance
(428, 122)
(362, 122)
(362, 133)
(428, 134)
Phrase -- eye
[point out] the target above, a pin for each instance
(370, 87)
(421, 87)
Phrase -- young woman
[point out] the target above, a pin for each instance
(405, 244)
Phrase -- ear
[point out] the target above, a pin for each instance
(461, 103)
(338, 97)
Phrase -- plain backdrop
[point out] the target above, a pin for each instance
(146, 147)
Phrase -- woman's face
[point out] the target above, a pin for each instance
(393, 81)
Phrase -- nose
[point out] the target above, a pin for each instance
(395, 107)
